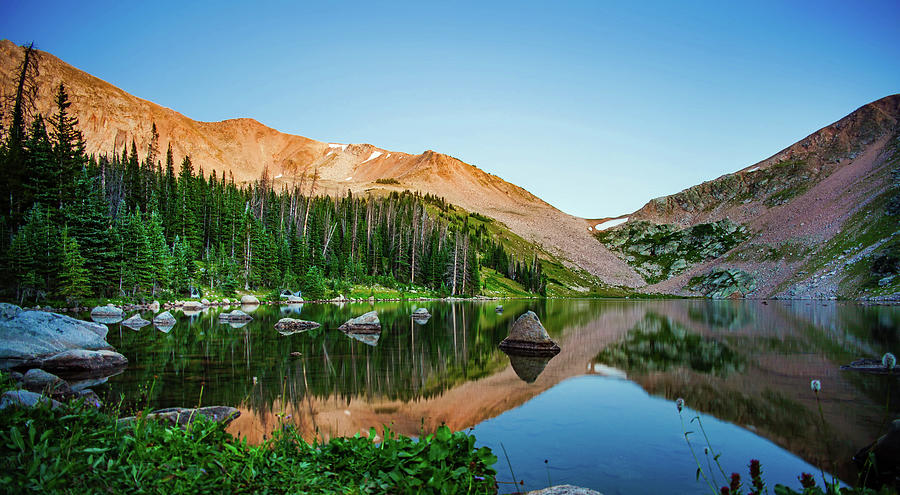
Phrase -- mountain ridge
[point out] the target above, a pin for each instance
(110, 119)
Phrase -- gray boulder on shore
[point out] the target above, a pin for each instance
(528, 337)
(249, 299)
(181, 417)
(38, 380)
(29, 337)
(365, 323)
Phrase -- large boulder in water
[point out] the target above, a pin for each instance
(249, 299)
(28, 337)
(287, 326)
(366, 323)
(527, 337)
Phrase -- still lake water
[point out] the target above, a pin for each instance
(600, 414)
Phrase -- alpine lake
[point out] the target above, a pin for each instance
(600, 414)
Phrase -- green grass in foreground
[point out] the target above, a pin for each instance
(77, 449)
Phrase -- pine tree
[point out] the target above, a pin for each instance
(68, 148)
(73, 276)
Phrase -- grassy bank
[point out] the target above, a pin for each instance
(76, 449)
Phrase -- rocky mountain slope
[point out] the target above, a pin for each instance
(819, 219)
(111, 119)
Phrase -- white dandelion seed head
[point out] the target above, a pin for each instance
(815, 385)
(889, 360)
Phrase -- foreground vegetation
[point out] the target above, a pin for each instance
(77, 449)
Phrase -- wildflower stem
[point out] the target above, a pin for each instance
(711, 450)
(691, 447)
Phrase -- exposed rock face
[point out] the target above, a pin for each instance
(84, 361)
(29, 337)
(135, 322)
(163, 319)
(236, 315)
(290, 325)
(181, 417)
(107, 311)
(366, 323)
(527, 337)
(24, 398)
(719, 283)
(249, 299)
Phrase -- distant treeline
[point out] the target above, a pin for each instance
(76, 226)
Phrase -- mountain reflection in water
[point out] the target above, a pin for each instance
(743, 362)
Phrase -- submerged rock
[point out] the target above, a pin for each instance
(420, 314)
(249, 299)
(135, 322)
(287, 326)
(181, 416)
(235, 316)
(366, 323)
(28, 337)
(164, 319)
(527, 337)
(24, 398)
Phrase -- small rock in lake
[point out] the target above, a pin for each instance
(107, 311)
(164, 318)
(235, 316)
(366, 323)
(290, 325)
(296, 354)
(135, 322)
(421, 314)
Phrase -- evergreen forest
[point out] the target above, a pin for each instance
(142, 224)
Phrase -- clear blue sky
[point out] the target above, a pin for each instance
(594, 106)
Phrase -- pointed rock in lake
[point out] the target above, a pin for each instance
(420, 314)
(287, 326)
(135, 322)
(527, 337)
(163, 319)
(366, 323)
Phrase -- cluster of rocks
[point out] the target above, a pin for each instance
(45, 345)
